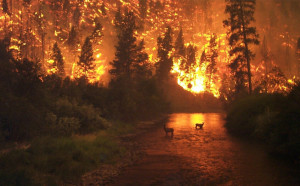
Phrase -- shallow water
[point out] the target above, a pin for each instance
(208, 156)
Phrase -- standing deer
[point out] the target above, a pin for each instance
(200, 125)
(168, 130)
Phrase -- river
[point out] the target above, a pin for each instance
(208, 156)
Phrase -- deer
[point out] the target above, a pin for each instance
(168, 130)
(200, 125)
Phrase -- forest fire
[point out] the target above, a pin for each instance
(69, 22)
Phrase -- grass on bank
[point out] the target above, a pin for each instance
(53, 161)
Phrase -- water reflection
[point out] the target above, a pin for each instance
(204, 157)
(213, 154)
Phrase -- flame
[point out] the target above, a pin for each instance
(33, 32)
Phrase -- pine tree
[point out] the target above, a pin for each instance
(98, 32)
(180, 50)
(165, 63)
(241, 35)
(179, 45)
(72, 40)
(58, 61)
(118, 20)
(211, 68)
(141, 65)
(130, 57)
(86, 59)
(76, 16)
(191, 55)
(203, 57)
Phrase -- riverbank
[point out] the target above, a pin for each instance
(130, 140)
(77, 160)
(269, 118)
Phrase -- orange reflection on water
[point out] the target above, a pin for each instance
(186, 121)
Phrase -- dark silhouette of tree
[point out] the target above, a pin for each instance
(191, 55)
(97, 32)
(118, 20)
(180, 50)
(190, 61)
(130, 57)
(203, 57)
(241, 35)
(76, 16)
(165, 62)
(5, 7)
(72, 40)
(142, 66)
(27, 77)
(211, 67)
(86, 59)
(143, 6)
(179, 45)
(58, 61)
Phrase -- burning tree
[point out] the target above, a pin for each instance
(241, 35)
(274, 81)
(86, 59)
(57, 61)
(179, 45)
(72, 41)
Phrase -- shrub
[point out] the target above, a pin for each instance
(54, 161)
(90, 119)
(67, 126)
(244, 113)
(274, 119)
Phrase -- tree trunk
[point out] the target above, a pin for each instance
(246, 50)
